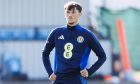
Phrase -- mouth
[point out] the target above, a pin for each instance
(70, 18)
(71, 23)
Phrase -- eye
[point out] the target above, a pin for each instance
(73, 12)
(67, 12)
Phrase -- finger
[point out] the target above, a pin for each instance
(52, 78)
(86, 75)
(83, 75)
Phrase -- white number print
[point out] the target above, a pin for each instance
(68, 47)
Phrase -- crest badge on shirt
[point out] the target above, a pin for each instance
(80, 39)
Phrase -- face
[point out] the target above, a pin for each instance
(72, 16)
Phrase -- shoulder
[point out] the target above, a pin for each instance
(57, 29)
(86, 31)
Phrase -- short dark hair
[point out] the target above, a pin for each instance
(72, 5)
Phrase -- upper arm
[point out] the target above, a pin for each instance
(50, 42)
(95, 45)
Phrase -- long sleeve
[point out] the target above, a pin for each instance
(97, 48)
(50, 43)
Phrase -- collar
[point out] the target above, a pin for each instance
(72, 27)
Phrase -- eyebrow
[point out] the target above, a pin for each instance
(73, 10)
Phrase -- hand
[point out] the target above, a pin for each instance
(84, 73)
(52, 77)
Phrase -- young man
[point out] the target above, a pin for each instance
(72, 48)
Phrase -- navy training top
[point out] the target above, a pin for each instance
(72, 49)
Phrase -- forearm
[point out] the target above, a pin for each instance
(100, 53)
(50, 44)
(46, 62)
(97, 65)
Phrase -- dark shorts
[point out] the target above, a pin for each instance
(73, 80)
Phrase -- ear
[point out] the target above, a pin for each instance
(65, 14)
(80, 14)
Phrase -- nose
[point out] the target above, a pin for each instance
(70, 15)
